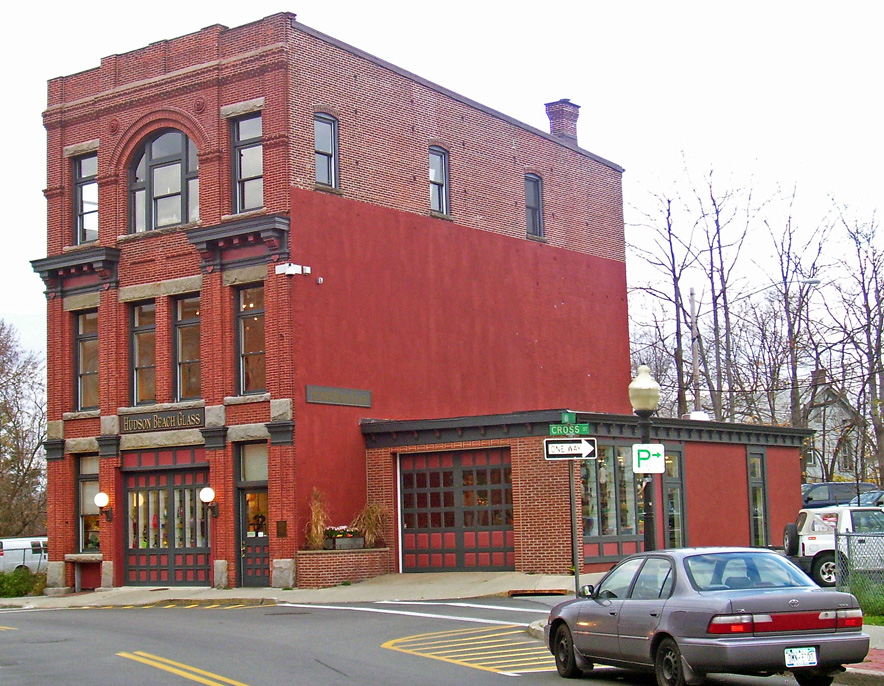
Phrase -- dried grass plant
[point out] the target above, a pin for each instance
(371, 522)
(318, 522)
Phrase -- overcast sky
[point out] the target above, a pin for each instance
(785, 92)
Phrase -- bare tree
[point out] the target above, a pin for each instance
(22, 430)
(671, 255)
(859, 323)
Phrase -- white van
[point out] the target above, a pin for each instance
(32, 552)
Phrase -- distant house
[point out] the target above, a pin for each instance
(835, 449)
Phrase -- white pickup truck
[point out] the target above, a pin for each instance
(810, 540)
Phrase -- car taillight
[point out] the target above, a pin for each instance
(849, 619)
(786, 621)
(730, 624)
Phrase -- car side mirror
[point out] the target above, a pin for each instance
(585, 591)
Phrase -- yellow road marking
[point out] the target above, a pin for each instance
(498, 650)
(193, 673)
(8, 628)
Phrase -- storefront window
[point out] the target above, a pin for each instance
(157, 514)
(673, 501)
(757, 498)
(609, 493)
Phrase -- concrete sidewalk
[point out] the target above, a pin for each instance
(439, 586)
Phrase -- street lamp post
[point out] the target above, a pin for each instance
(644, 394)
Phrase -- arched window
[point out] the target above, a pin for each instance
(164, 182)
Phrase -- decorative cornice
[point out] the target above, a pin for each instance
(108, 446)
(79, 271)
(54, 449)
(217, 243)
(611, 427)
(281, 432)
(215, 437)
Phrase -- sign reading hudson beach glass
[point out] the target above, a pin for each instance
(328, 395)
(163, 421)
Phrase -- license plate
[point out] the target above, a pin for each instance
(800, 657)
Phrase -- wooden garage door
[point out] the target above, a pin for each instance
(457, 511)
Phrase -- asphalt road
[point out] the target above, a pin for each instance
(386, 643)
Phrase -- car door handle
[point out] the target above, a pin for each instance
(612, 613)
(655, 614)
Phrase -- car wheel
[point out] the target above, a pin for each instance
(825, 571)
(667, 664)
(566, 661)
(810, 677)
(790, 539)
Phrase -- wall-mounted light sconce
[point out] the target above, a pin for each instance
(101, 501)
(207, 497)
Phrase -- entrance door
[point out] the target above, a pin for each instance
(254, 568)
(457, 511)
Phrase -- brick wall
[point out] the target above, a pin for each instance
(323, 568)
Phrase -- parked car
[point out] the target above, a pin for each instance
(685, 613)
(868, 499)
(832, 492)
(810, 540)
(32, 553)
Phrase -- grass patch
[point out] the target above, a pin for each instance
(874, 620)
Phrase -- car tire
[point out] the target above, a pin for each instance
(667, 664)
(825, 570)
(810, 677)
(790, 539)
(563, 649)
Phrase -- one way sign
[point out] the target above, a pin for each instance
(569, 448)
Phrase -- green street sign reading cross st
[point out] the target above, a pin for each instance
(569, 429)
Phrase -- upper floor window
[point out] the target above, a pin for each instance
(439, 180)
(87, 359)
(187, 348)
(325, 133)
(250, 340)
(164, 185)
(86, 198)
(144, 353)
(534, 204)
(248, 163)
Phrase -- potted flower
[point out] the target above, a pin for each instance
(342, 538)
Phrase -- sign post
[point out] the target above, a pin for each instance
(571, 449)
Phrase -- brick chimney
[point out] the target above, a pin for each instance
(563, 119)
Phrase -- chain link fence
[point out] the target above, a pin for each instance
(859, 561)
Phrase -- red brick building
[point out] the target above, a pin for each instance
(259, 237)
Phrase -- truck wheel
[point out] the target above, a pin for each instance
(790, 539)
(825, 571)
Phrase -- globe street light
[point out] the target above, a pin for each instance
(644, 394)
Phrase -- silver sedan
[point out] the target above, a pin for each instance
(686, 613)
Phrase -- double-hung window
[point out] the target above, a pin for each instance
(439, 180)
(90, 537)
(86, 198)
(164, 183)
(534, 205)
(187, 348)
(250, 340)
(325, 134)
(248, 163)
(144, 353)
(87, 359)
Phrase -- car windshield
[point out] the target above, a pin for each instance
(743, 569)
(870, 498)
(867, 521)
